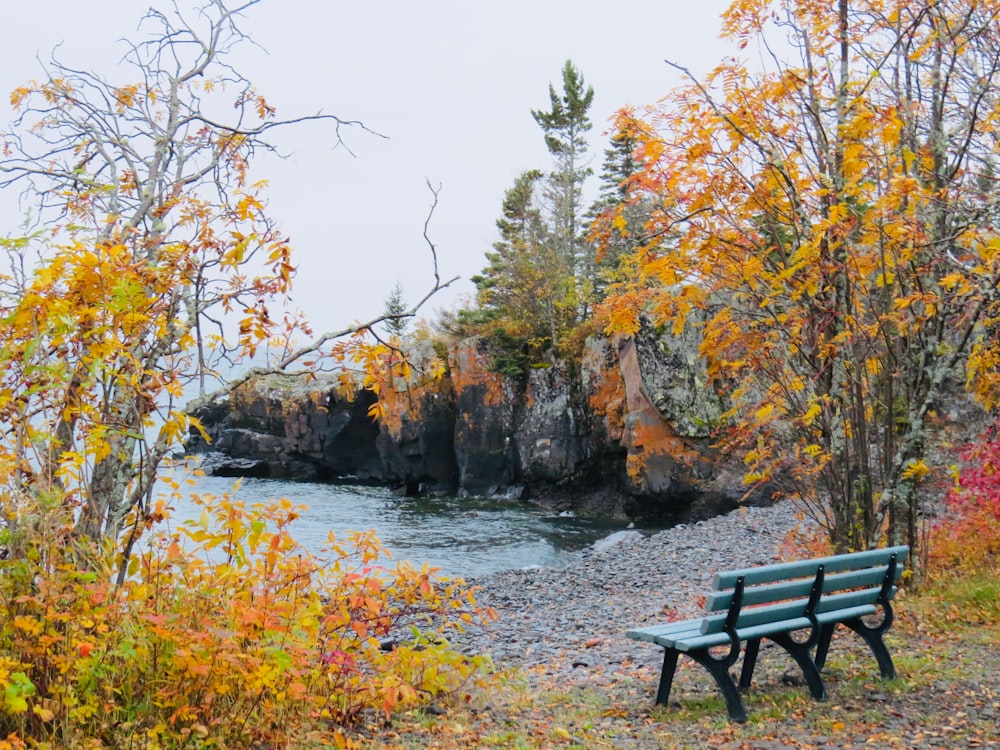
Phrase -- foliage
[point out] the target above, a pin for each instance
(618, 216)
(517, 284)
(510, 355)
(966, 539)
(152, 261)
(566, 124)
(149, 237)
(150, 230)
(537, 283)
(226, 633)
(832, 230)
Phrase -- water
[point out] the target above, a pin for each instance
(467, 537)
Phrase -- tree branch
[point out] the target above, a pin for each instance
(319, 342)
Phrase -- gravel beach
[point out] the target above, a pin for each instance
(563, 629)
(571, 620)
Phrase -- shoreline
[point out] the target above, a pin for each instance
(570, 619)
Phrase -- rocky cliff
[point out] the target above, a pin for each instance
(289, 426)
(626, 430)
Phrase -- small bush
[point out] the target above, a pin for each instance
(967, 539)
(226, 633)
(804, 541)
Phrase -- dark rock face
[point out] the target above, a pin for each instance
(484, 420)
(416, 436)
(287, 427)
(553, 437)
(625, 431)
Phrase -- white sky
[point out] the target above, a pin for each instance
(452, 85)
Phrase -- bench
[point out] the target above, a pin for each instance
(774, 602)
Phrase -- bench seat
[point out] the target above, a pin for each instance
(686, 635)
(774, 602)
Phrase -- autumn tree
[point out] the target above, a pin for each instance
(834, 236)
(150, 236)
(617, 218)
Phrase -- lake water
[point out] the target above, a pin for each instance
(464, 537)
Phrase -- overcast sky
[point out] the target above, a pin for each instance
(451, 83)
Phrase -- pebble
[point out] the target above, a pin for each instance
(574, 617)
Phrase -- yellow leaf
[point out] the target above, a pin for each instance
(28, 624)
(916, 470)
(18, 95)
(810, 416)
(950, 281)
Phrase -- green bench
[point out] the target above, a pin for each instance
(774, 602)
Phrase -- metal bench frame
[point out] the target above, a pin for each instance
(775, 602)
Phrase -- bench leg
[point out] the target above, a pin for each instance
(719, 668)
(823, 644)
(749, 662)
(873, 637)
(800, 652)
(666, 676)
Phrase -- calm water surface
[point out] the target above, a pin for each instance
(464, 537)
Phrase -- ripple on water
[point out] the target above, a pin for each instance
(463, 537)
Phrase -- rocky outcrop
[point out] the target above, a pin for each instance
(415, 441)
(485, 405)
(625, 430)
(289, 426)
(514, 436)
(652, 415)
(554, 438)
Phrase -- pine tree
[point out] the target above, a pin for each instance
(566, 125)
(618, 215)
(394, 309)
(534, 291)
(517, 285)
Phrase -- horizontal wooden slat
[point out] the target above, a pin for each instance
(692, 642)
(767, 594)
(668, 628)
(840, 615)
(788, 610)
(802, 568)
(761, 630)
(776, 592)
(852, 599)
(756, 615)
(856, 579)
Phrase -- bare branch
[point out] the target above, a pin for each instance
(369, 326)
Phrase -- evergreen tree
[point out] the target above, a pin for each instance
(618, 216)
(394, 309)
(517, 287)
(533, 290)
(566, 125)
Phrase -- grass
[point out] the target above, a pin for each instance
(947, 694)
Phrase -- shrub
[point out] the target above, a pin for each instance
(225, 633)
(967, 538)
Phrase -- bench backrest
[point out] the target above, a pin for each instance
(785, 590)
